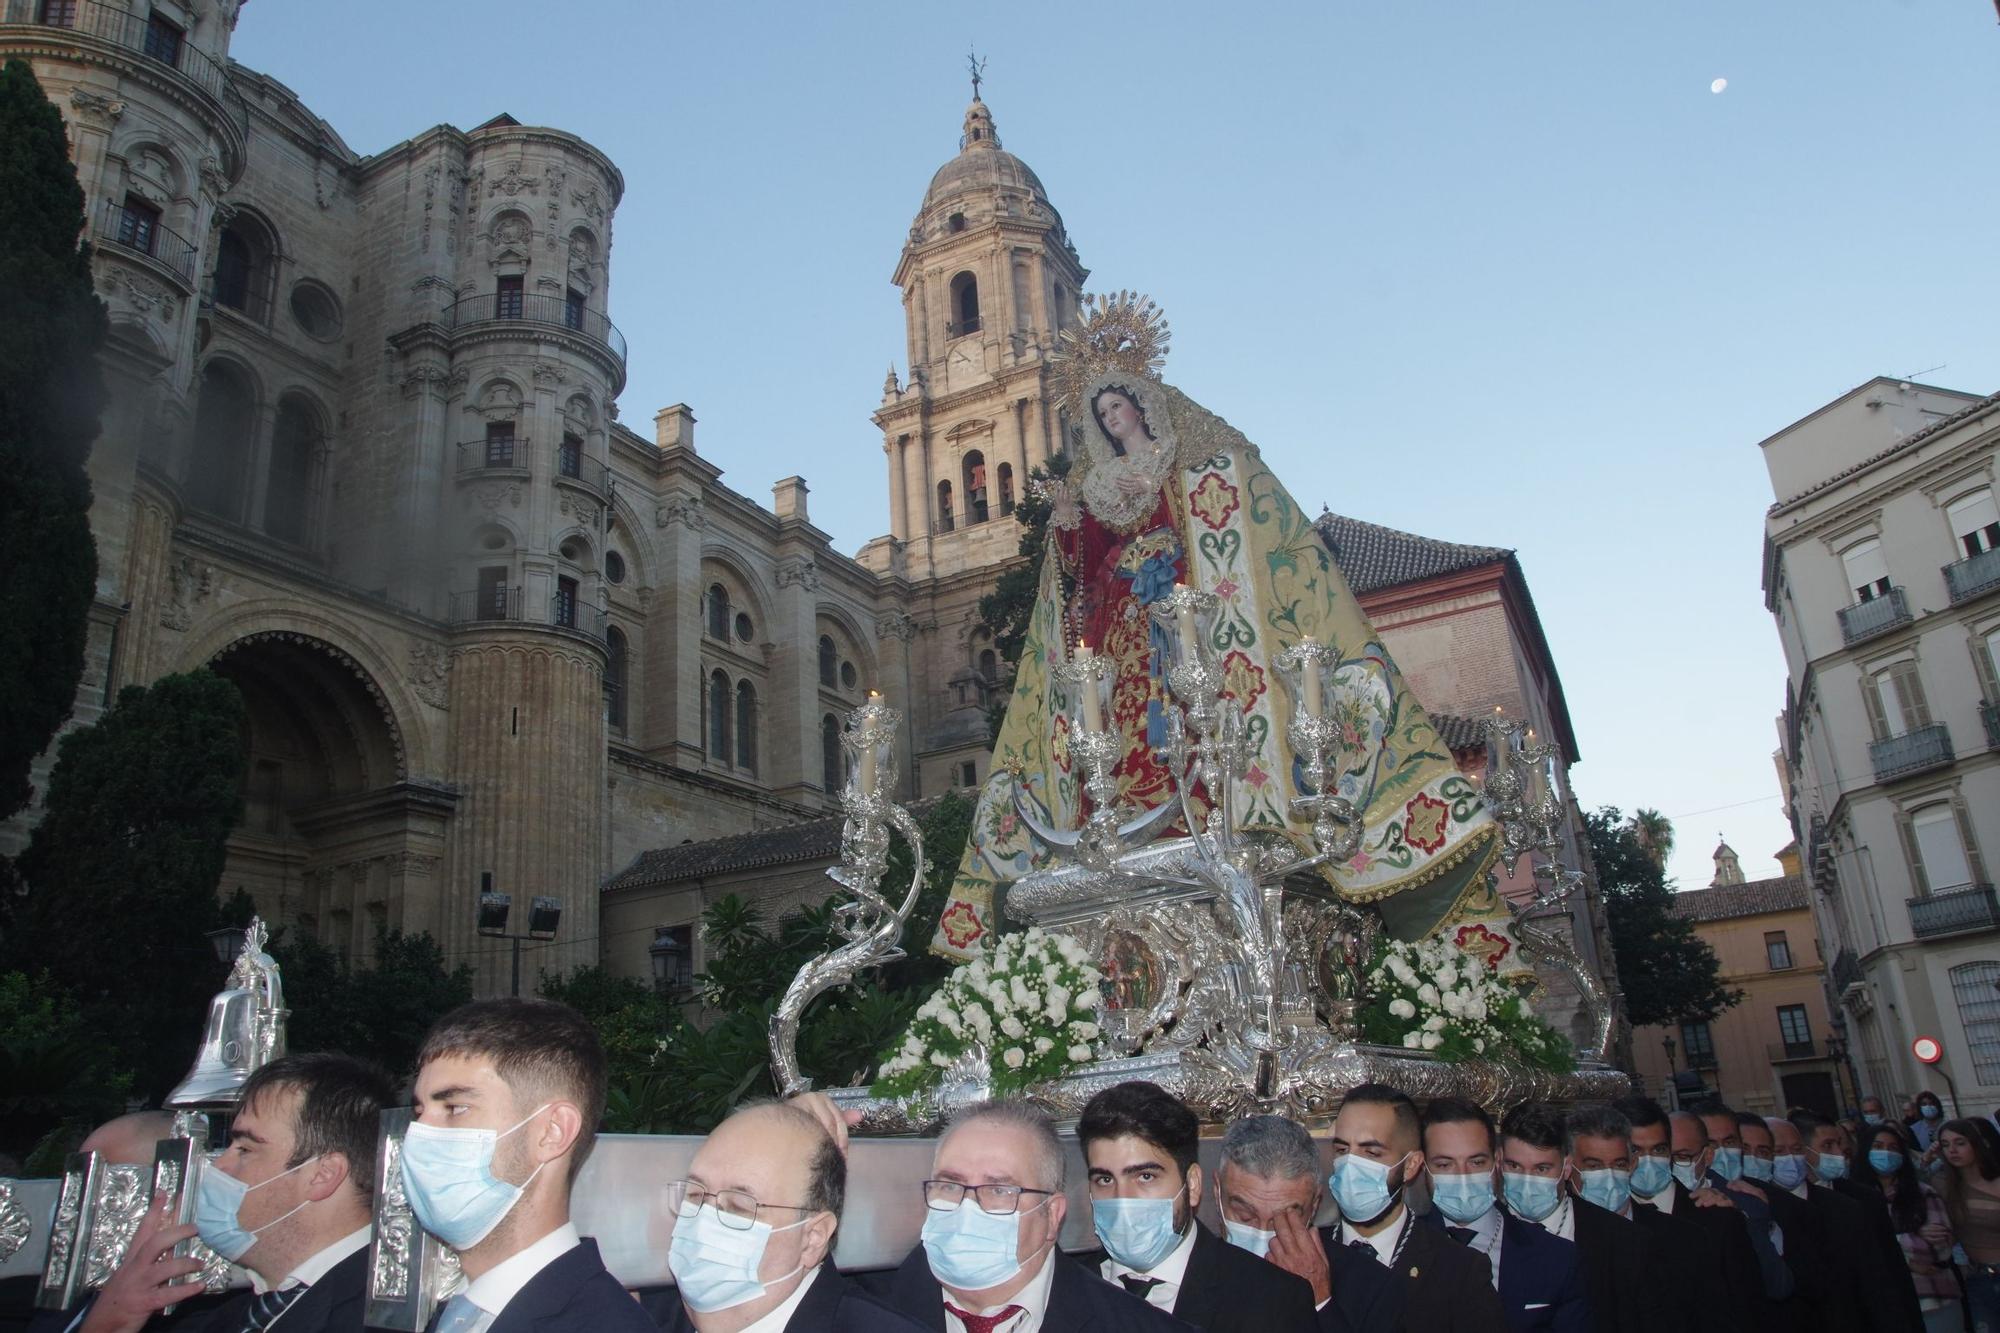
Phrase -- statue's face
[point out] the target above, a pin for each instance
(1121, 418)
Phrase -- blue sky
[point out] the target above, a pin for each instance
(1496, 273)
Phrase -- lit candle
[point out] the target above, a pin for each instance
(1309, 676)
(1538, 778)
(867, 750)
(1093, 711)
(1503, 739)
(1184, 618)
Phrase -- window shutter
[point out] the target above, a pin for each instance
(1910, 696)
(1971, 517)
(1919, 881)
(1972, 860)
(1984, 654)
(1871, 692)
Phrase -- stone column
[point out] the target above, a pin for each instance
(793, 744)
(893, 446)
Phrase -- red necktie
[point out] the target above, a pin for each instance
(983, 1323)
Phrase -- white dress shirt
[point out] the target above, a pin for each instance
(1562, 1222)
(1033, 1300)
(314, 1267)
(1169, 1272)
(1489, 1231)
(1384, 1241)
(775, 1321)
(491, 1290)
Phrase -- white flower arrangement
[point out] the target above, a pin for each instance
(1030, 1000)
(1428, 995)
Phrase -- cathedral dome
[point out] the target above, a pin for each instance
(981, 166)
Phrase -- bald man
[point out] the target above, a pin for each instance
(1846, 1234)
(753, 1238)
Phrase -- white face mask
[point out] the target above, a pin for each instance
(716, 1264)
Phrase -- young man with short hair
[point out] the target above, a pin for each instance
(1536, 1274)
(508, 1097)
(1827, 1150)
(1700, 1241)
(1141, 1145)
(1535, 1170)
(1823, 1235)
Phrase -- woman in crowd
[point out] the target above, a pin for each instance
(1928, 1114)
(1971, 1185)
(1922, 1227)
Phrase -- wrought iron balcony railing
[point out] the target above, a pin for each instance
(1916, 751)
(1989, 713)
(495, 454)
(1973, 576)
(527, 308)
(498, 603)
(1878, 615)
(566, 613)
(142, 34)
(573, 467)
(139, 233)
(1956, 912)
(1792, 1050)
(1847, 970)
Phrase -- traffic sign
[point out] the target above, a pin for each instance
(1927, 1049)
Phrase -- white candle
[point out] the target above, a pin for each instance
(1184, 620)
(867, 750)
(1309, 676)
(1093, 711)
(1538, 785)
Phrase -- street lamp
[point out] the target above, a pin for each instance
(225, 942)
(669, 959)
(1667, 1041)
(544, 914)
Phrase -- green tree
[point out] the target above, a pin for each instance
(57, 1077)
(1656, 835)
(1668, 973)
(631, 1017)
(51, 395)
(1007, 609)
(381, 1009)
(119, 878)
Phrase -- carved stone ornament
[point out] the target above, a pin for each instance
(681, 509)
(802, 572)
(416, 864)
(141, 293)
(95, 108)
(550, 372)
(429, 668)
(213, 181)
(514, 183)
(16, 1225)
(188, 582)
(589, 202)
(419, 377)
(896, 625)
(492, 497)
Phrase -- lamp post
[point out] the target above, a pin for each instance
(668, 955)
(543, 915)
(225, 942)
(1667, 1041)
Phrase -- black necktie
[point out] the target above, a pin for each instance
(1463, 1235)
(1139, 1286)
(267, 1307)
(1364, 1250)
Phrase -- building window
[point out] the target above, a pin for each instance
(499, 444)
(1795, 1030)
(989, 666)
(139, 225)
(829, 754)
(1896, 702)
(955, 223)
(1974, 985)
(616, 667)
(565, 607)
(59, 13)
(492, 593)
(968, 774)
(507, 297)
(673, 959)
(829, 661)
(944, 506)
(964, 306)
(614, 567)
(746, 727)
(573, 309)
(1975, 523)
(718, 612)
(1867, 571)
(1777, 950)
(1006, 488)
(718, 717)
(974, 472)
(1986, 659)
(848, 676)
(163, 40)
(745, 631)
(569, 455)
(232, 271)
(1062, 306)
(1939, 862)
(1699, 1043)
(288, 489)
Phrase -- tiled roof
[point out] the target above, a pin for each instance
(1374, 557)
(1910, 441)
(814, 839)
(1727, 901)
(1460, 733)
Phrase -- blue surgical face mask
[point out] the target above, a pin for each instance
(218, 1198)
(1138, 1233)
(448, 1178)
(1886, 1161)
(1607, 1187)
(715, 1265)
(1689, 1178)
(1870, 1118)
(1650, 1175)
(1756, 1168)
(1728, 1163)
(1788, 1170)
(1531, 1198)
(1253, 1239)
(1361, 1189)
(971, 1249)
(1463, 1198)
(1830, 1167)
(1929, 1112)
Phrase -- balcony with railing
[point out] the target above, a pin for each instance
(544, 311)
(1974, 576)
(141, 233)
(143, 34)
(1779, 1051)
(495, 454)
(1957, 912)
(565, 612)
(1847, 970)
(573, 469)
(1918, 750)
(494, 603)
(1989, 714)
(1877, 615)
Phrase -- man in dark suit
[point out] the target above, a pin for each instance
(1536, 1274)
(778, 1164)
(1701, 1245)
(288, 1199)
(1845, 1232)
(508, 1097)
(1824, 1268)
(1269, 1187)
(1377, 1150)
(1826, 1149)
(1140, 1145)
(988, 1261)
(1534, 1169)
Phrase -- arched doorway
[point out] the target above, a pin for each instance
(335, 842)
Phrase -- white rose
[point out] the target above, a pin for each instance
(1079, 1053)
(940, 1059)
(1043, 1046)
(1428, 994)
(997, 996)
(1012, 1026)
(1435, 1023)
(1083, 1031)
(1453, 1005)
(1432, 1040)
(1014, 1057)
(1023, 997)
(1478, 1044)
(1402, 1008)
(1476, 1011)
(1413, 1039)
(1050, 974)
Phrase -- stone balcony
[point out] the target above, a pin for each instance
(554, 312)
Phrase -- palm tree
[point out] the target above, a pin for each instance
(1655, 833)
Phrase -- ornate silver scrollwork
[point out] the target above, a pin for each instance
(16, 1223)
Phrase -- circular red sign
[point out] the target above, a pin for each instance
(1927, 1049)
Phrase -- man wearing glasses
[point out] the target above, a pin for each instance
(754, 1229)
(994, 1210)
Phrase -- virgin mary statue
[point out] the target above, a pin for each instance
(1163, 492)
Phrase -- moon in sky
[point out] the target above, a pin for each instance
(1718, 85)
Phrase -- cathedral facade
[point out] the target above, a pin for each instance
(363, 457)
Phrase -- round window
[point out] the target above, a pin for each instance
(847, 676)
(570, 551)
(744, 629)
(614, 566)
(316, 311)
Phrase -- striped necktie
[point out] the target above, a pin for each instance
(265, 1309)
(459, 1316)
